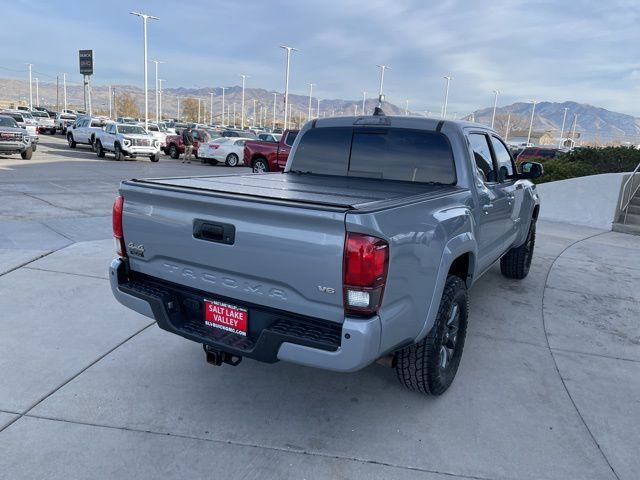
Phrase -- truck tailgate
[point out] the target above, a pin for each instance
(279, 256)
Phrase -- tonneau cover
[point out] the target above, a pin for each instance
(346, 192)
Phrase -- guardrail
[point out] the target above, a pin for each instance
(624, 207)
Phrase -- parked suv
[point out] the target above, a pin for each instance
(26, 121)
(84, 130)
(14, 139)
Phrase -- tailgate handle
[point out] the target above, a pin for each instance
(214, 232)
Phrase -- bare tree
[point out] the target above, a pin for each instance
(189, 110)
(126, 106)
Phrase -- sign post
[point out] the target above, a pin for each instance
(86, 70)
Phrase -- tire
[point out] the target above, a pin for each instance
(260, 165)
(118, 152)
(52, 131)
(27, 154)
(154, 158)
(34, 146)
(212, 161)
(430, 365)
(71, 141)
(517, 261)
(99, 150)
(232, 160)
(92, 141)
(174, 152)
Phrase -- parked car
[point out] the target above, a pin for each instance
(44, 121)
(25, 120)
(278, 130)
(159, 131)
(127, 120)
(63, 120)
(268, 156)
(539, 152)
(234, 132)
(223, 149)
(84, 130)
(270, 137)
(174, 147)
(126, 140)
(364, 248)
(13, 139)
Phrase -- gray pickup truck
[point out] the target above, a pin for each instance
(362, 250)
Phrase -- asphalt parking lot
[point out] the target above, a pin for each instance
(548, 387)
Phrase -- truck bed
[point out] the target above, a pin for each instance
(309, 189)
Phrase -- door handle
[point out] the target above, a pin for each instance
(486, 208)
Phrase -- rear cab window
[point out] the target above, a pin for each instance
(381, 153)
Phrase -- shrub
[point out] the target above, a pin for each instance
(589, 161)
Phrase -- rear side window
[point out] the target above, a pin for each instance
(291, 137)
(390, 154)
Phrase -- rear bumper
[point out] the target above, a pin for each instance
(273, 335)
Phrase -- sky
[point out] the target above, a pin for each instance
(584, 51)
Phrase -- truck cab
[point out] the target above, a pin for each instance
(268, 156)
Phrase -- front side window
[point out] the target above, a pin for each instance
(503, 159)
(482, 157)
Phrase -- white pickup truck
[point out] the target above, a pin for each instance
(84, 130)
(127, 140)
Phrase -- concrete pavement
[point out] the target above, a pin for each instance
(547, 387)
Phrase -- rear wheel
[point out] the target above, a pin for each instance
(27, 154)
(99, 149)
(260, 165)
(430, 365)
(232, 160)
(173, 151)
(517, 261)
(71, 141)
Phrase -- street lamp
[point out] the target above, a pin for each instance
(286, 83)
(64, 90)
(495, 105)
(364, 100)
(446, 96)
(318, 116)
(223, 122)
(146, 92)
(531, 122)
(30, 89)
(564, 118)
(157, 87)
(406, 108)
(273, 122)
(211, 113)
(160, 80)
(242, 107)
(380, 94)
(310, 95)
(37, 92)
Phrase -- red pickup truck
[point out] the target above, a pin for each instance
(269, 156)
(174, 146)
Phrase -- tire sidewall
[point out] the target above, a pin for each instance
(232, 160)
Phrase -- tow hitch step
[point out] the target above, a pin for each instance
(217, 358)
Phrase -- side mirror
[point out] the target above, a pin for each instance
(531, 170)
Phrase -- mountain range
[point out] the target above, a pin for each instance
(592, 124)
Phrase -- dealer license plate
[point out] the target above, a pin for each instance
(226, 317)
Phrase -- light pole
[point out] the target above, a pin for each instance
(355, 110)
(273, 122)
(211, 113)
(380, 94)
(406, 108)
(37, 92)
(64, 90)
(157, 87)
(506, 133)
(234, 114)
(146, 92)
(160, 80)
(446, 96)
(573, 135)
(364, 101)
(310, 96)
(223, 122)
(241, 106)
(564, 118)
(495, 105)
(286, 82)
(30, 89)
(318, 116)
(531, 121)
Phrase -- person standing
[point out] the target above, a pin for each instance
(187, 141)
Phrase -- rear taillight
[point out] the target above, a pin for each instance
(215, 147)
(366, 260)
(118, 234)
